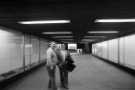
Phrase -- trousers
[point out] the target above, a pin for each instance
(52, 79)
(63, 77)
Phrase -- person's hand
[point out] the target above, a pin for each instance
(60, 64)
(51, 67)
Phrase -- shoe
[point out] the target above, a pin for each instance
(54, 88)
(61, 86)
(65, 87)
(49, 86)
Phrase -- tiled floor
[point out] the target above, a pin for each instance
(90, 74)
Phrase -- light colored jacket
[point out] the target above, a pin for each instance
(51, 57)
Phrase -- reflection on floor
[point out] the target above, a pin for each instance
(90, 74)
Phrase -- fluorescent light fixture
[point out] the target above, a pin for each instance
(88, 40)
(58, 32)
(66, 39)
(62, 36)
(45, 22)
(94, 36)
(68, 42)
(85, 41)
(102, 31)
(114, 20)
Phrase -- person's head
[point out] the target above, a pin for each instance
(52, 45)
(63, 47)
(58, 46)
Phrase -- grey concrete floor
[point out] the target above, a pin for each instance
(90, 74)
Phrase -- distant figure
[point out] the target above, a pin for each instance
(78, 51)
(51, 65)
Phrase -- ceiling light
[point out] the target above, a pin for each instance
(62, 36)
(85, 41)
(88, 39)
(114, 20)
(66, 39)
(94, 36)
(58, 32)
(45, 22)
(102, 31)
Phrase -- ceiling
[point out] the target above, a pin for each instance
(82, 14)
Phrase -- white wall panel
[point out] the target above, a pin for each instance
(35, 50)
(126, 47)
(28, 47)
(16, 58)
(43, 47)
(122, 50)
(16, 47)
(130, 50)
(11, 50)
(104, 49)
(99, 50)
(94, 49)
(113, 50)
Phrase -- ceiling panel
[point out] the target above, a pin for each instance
(82, 14)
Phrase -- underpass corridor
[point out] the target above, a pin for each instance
(91, 73)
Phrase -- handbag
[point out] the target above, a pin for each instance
(69, 64)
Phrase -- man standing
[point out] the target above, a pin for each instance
(63, 73)
(51, 65)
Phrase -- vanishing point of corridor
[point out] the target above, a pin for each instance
(90, 74)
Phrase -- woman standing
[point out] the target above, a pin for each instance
(63, 72)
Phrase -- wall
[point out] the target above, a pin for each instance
(120, 50)
(11, 50)
(20, 51)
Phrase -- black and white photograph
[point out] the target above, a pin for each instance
(67, 45)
